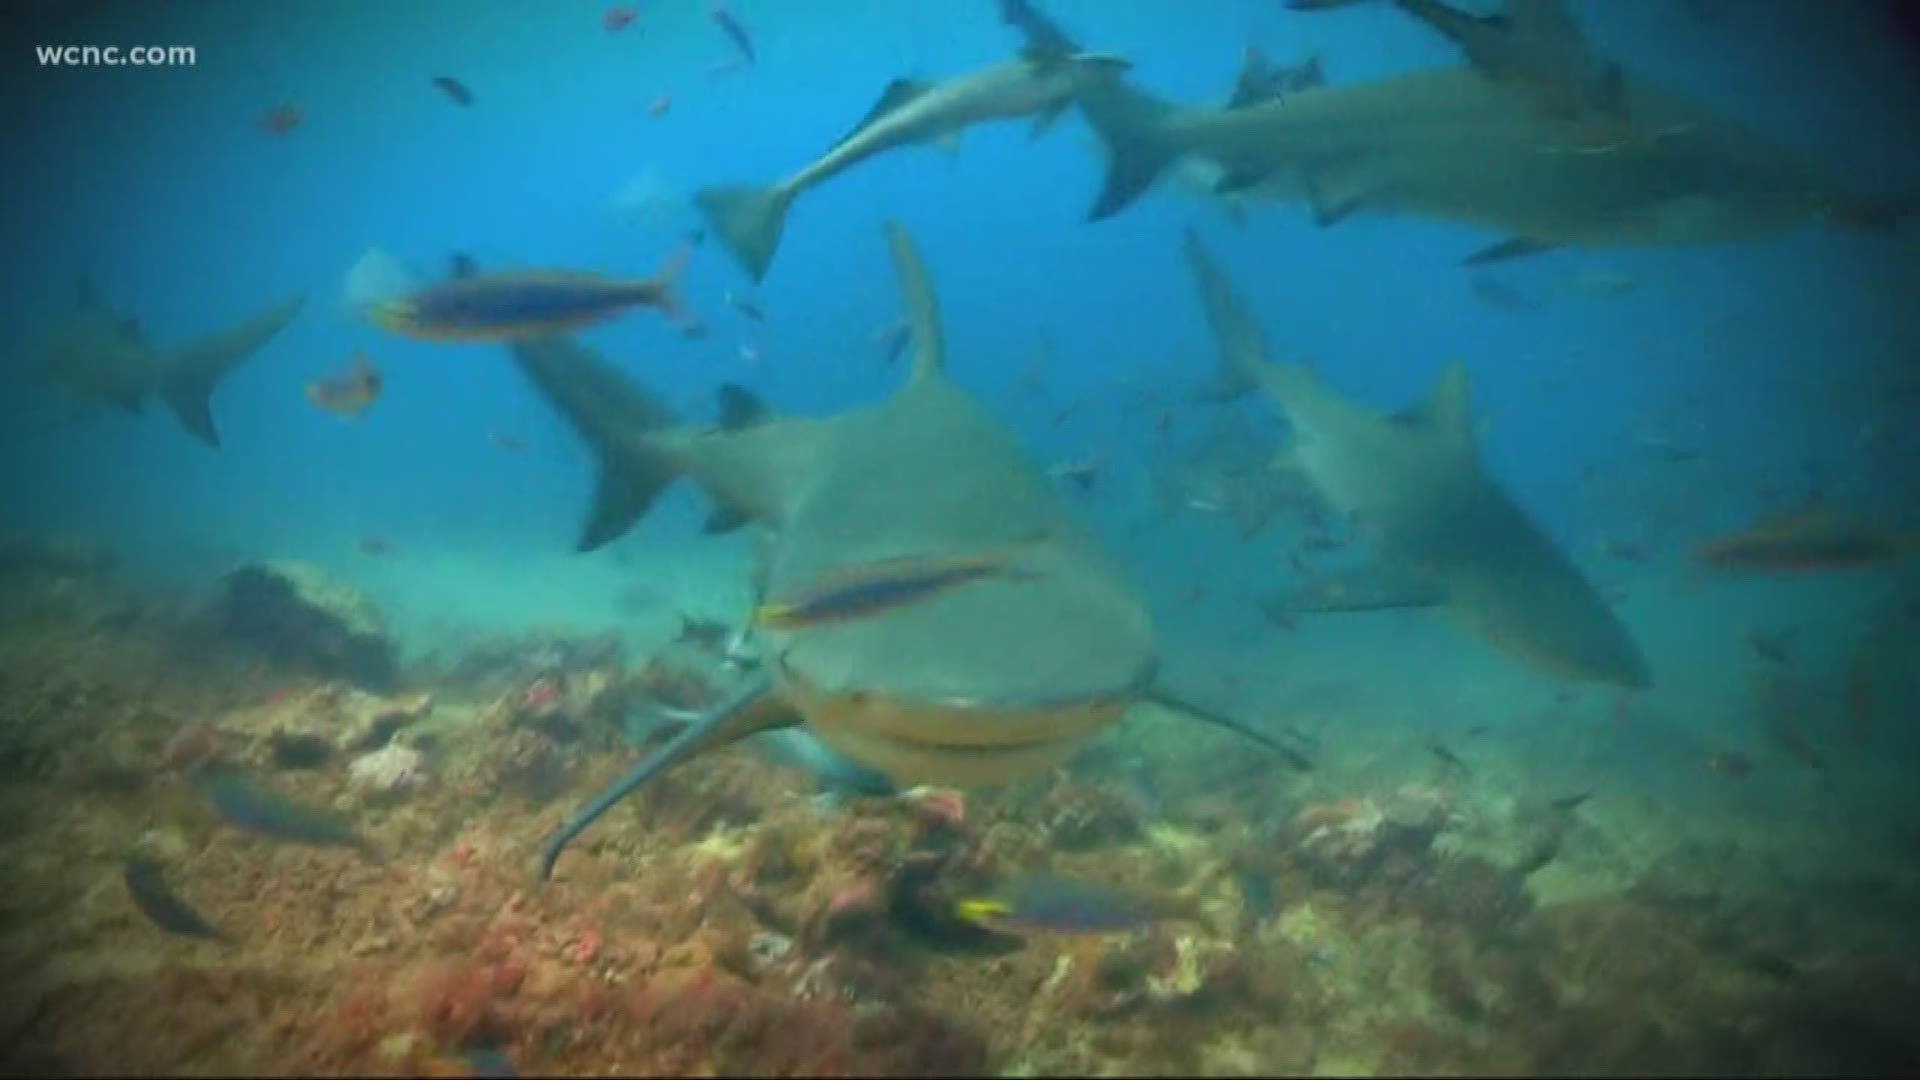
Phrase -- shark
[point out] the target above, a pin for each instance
(99, 356)
(1039, 82)
(1532, 44)
(985, 683)
(1258, 79)
(1453, 144)
(1413, 481)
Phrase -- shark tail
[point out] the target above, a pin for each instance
(1132, 124)
(749, 221)
(612, 415)
(191, 374)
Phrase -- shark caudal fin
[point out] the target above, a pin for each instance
(923, 309)
(1132, 124)
(612, 415)
(749, 221)
(191, 372)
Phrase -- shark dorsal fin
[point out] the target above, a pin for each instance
(897, 93)
(741, 408)
(1254, 83)
(923, 310)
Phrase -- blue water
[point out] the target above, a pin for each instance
(161, 186)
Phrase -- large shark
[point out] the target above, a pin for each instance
(995, 680)
(99, 356)
(1455, 144)
(1414, 481)
(1533, 44)
(1041, 83)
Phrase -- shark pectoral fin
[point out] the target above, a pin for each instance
(741, 407)
(748, 711)
(1174, 702)
(191, 373)
(723, 519)
(1333, 195)
(1235, 180)
(1043, 120)
(1513, 248)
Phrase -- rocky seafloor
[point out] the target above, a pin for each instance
(728, 921)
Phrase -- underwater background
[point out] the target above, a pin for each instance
(1733, 894)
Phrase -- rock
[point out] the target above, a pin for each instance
(388, 774)
(369, 721)
(299, 615)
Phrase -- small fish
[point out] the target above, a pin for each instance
(147, 884)
(660, 106)
(1797, 746)
(1731, 764)
(455, 90)
(349, 393)
(508, 441)
(518, 305)
(1773, 646)
(1082, 474)
(745, 306)
(618, 18)
(1447, 757)
(749, 356)
(376, 546)
(250, 807)
(869, 589)
(734, 30)
(1810, 538)
(1058, 905)
(280, 119)
(708, 634)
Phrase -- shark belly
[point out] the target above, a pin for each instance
(1450, 144)
(952, 744)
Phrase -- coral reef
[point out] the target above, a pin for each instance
(723, 922)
